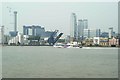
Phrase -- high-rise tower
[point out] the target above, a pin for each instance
(85, 23)
(73, 27)
(98, 32)
(80, 29)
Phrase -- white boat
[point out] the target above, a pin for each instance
(73, 45)
(59, 45)
(68, 45)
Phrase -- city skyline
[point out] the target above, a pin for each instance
(57, 15)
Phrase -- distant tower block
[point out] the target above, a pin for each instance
(73, 27)
(85, 23)
(111, 32)
(15, 21)
(80, 29)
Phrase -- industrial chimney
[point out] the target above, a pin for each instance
(15, 21)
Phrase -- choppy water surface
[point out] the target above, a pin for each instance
(50, 62)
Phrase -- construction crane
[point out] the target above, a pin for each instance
(52, 40)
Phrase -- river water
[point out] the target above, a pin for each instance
(50, 62)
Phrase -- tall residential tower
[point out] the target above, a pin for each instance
(73, 27)
(80, 29)
(85, 23)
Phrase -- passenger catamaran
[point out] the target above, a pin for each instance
(68, 45)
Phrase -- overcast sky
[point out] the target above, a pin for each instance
(56, 15)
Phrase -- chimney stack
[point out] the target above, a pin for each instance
(15, 21)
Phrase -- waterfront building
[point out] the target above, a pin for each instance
(35, 30)
(96, 40)
(113, 42)
(6, 38)
(104, 42)
(88, 41)
(111, 32)
(20, 39)
(73, 27)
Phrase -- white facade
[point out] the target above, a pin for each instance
(96, 40)
(19, 39)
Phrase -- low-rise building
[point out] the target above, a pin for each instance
(96, 41)
(113, 42)
(19, 40)
(88, 41)
(104, 42)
